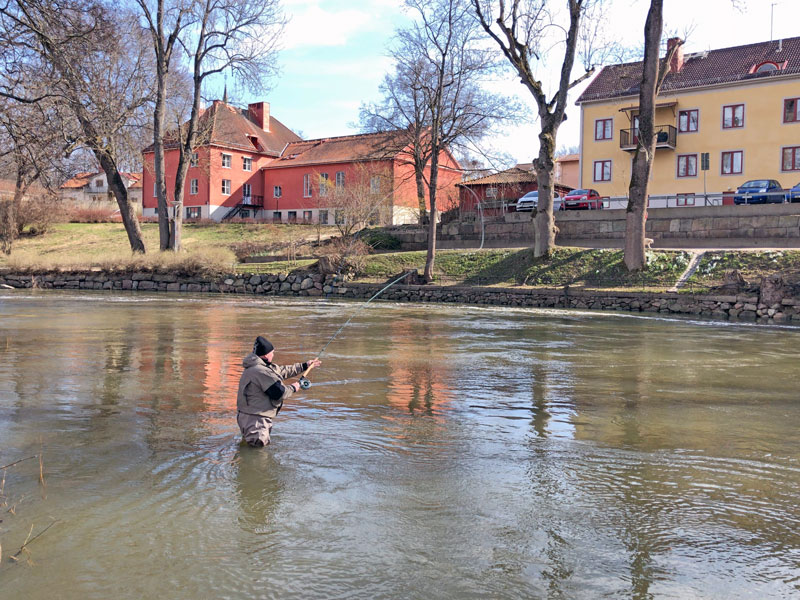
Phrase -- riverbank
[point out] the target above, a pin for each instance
(767, 305)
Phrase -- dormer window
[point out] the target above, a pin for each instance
(254, 140)
(768, 67)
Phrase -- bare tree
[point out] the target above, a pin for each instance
(165, 20)
(92, 61)
(239, 36)
(437, 94)
(523, 29)
(654, 70)
(360, 201)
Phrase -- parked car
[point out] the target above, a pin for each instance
(578, 199)
(531, 200)
(794, 194)
(760, 191)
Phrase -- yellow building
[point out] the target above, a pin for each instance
(741, 105)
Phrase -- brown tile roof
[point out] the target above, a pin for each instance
(721, 66)
(226, 125)
(364, 146)
(512, 176)
(78, 180)
(568, 158)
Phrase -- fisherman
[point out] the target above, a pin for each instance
(262, 392)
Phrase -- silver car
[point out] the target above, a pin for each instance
(531, 200)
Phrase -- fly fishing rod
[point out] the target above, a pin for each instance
(304, 382)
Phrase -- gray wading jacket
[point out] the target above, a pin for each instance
(261, 389)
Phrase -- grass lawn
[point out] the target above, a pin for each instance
(753, 265)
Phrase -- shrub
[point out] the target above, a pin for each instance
(343, 255)
(380, 240)
(81, 214)
(35, 215)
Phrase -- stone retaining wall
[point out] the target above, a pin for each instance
(741, 306)
(775, 225)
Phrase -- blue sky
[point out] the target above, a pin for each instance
(334, 58)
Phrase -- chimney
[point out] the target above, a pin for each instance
(676, 64)
(259, 114)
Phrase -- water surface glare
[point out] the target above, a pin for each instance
(443, 452)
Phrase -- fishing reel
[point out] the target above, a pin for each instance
(304, 383)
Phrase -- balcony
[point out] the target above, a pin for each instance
(666, 137)
(256, 201)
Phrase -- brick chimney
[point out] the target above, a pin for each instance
(259, 114)
(676, 64)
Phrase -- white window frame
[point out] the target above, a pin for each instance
(247, 190)
(307, 191)
(226, 189)
(247, 163)
(227, 160)
(375, 184)
(155, 190)
(339, 179)
(194, 160)
(323, 185)
(194, 187)
(277, 191)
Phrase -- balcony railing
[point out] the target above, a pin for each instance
(257, 201)
(666, 137)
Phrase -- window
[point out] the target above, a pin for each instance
(491, 192)
(687, 165)
(338, 216)
(155, 191)
(603, 129)
(791, 159)
(226, 161)
(226, 186)
(339, 179)
(192, 212)
(245, 214)
(688, 120)
(194, 159)
(685, 200)
(276, 191)
(375, 184)
(292, 216)
(246, 196)
(791, 110)
(767, 67)
(276, 216)
(323, 217)
(98, 183)
(733, 116)
(602, 170)
(194, 187)
(732, 163)
(306, 216)
(306, 186)
(247, 163)
(323, 185)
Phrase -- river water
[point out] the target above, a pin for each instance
(442, 452)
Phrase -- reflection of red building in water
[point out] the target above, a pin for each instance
(249, 165)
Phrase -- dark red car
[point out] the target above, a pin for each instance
(578, 199)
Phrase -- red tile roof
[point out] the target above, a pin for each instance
(348, 148)
(700, 69)
(226, 125)
(83, 179)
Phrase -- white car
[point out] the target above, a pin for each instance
(531, 200)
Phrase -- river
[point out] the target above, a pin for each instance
(442, 452)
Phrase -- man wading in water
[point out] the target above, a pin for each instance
(261, 391)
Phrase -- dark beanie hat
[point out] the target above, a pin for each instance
(262, 346)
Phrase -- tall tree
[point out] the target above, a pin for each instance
(165, 20)
(524, 31)
(654, 71)
(437, 92)
(236, 36)
(93, 62)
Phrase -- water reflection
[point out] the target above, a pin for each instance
(477, 452)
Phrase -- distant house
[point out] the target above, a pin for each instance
(90, 190)
(739, 105)
(498, 190)
(568, 170)
(249, 165)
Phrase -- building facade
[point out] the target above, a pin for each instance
(249, 165)
(90, 190)
(739, 105)
(498, 191)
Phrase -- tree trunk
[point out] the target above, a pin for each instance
(158, 165)
(635, 257)
(126, 210)
(544, 223)
(431, 257)
(419, 176)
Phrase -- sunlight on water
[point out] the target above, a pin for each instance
(452, 452)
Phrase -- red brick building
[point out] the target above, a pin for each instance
(498, 190)
(252, 166)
